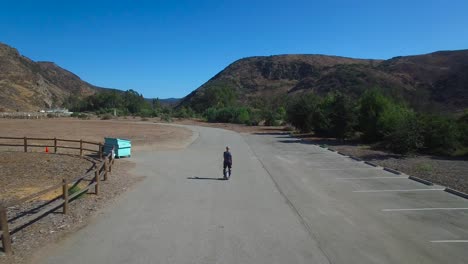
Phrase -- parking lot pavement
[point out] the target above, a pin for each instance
(363, 214)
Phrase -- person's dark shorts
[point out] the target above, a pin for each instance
(227, 164)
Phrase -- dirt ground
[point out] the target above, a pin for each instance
(234, 127)
(23, 173)
(141, 133)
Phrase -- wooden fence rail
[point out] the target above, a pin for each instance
(55, 144)
(100, 172)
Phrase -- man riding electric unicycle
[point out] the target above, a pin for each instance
(227, 164)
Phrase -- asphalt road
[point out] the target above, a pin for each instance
(287, 202)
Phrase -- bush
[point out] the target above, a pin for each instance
(371, 105)
(441, 134)
(242, 116)
(83, 116)
(341, 117)
(300, 112)
(106, 117)
(462, 124)
(405, 133)
(166, 117)
(332, 115)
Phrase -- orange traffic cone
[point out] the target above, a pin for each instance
(46, 149)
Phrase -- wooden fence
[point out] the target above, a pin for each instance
(98, 173)
(54, 144)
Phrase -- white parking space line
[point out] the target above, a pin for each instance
(449, 241)
(403, 190)
(344, 169)
(422, 209)
(374, 178)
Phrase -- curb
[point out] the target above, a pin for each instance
(426, 182)
(370, 163)
(457, 193)
(355, 158)
(392, 171)
(341, 153)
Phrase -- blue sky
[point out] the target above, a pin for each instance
(169, 48)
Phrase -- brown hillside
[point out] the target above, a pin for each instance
(26, 85)
(436, 81)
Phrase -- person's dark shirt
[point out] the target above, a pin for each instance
(227, 157)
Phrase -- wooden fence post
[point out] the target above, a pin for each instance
(6, 240)
(81, 147)
(111, 162)
(106, 168)
(55, 145)
(96, 178)
(25, 144)
(101, 150)
(65, 195)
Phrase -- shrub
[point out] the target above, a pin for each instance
(440, 134)
(166, 117)
(300, 112)
(462, 124)
(405, 133)
(83, 116)
(371, 105)
(340, 117)
(106, 117)
(242, 116)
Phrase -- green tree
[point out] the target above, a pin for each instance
(300, 112)
(371, 105)
(342, 116)
(402, 130)
(440, 134)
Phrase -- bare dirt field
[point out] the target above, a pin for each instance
(23, 173)
(140, 133)
(234, 127)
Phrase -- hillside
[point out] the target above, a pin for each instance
(436, 81)
(26, 85)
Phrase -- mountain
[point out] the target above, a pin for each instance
(437, 81)
(26, 85)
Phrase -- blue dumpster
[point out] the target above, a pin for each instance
(122, 147)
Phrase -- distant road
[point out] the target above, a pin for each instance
(287, 202)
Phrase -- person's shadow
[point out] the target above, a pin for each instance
(205, 178)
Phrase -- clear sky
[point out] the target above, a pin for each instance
(169, 48)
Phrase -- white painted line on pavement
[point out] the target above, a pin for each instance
(344, 169)
(422, 209)
(449, 241)
(374, 178)
(407, 190)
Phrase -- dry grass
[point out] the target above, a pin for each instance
(23, 173)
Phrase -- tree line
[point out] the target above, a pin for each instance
(377, 119)
(372, 118)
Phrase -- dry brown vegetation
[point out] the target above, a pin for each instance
(26, 173)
